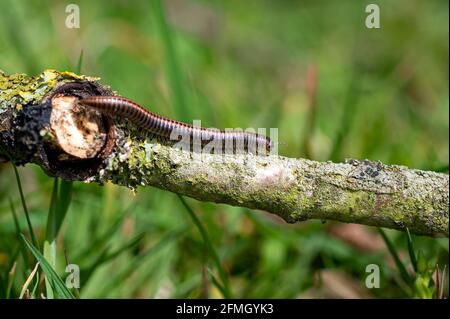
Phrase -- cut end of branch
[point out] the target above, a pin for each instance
(79, 132)
(51, 130)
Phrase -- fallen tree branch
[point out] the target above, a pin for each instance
(365, 192)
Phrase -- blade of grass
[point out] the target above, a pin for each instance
(442, 283)
(211, 251)
(174, 75)
(49, 244)
(28, 281)
(57, 284)
(11, 276)
(17, 226)
(80, 63)
(59, 204)
(36, 286)
(401, 268)
(50, 255)
(216, 283)
(412, 254)
(437, 281)
(24, 205)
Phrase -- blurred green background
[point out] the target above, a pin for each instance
(333, 88)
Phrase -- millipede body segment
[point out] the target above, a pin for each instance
(115, 106)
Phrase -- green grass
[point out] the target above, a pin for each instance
(59, 204)
(55, 282)
(223, 287)
(381, 94)
(24, 206)
(400, 266)
(173, 72)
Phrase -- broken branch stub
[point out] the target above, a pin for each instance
(40, 122)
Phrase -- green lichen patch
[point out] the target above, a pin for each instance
(20, 89)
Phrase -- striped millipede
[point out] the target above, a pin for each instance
(163, 127)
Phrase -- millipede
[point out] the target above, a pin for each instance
(115, 106)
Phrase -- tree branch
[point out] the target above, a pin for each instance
(363, 192)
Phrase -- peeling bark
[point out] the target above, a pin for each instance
(363, 192)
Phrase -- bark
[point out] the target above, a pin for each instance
(363, 192)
